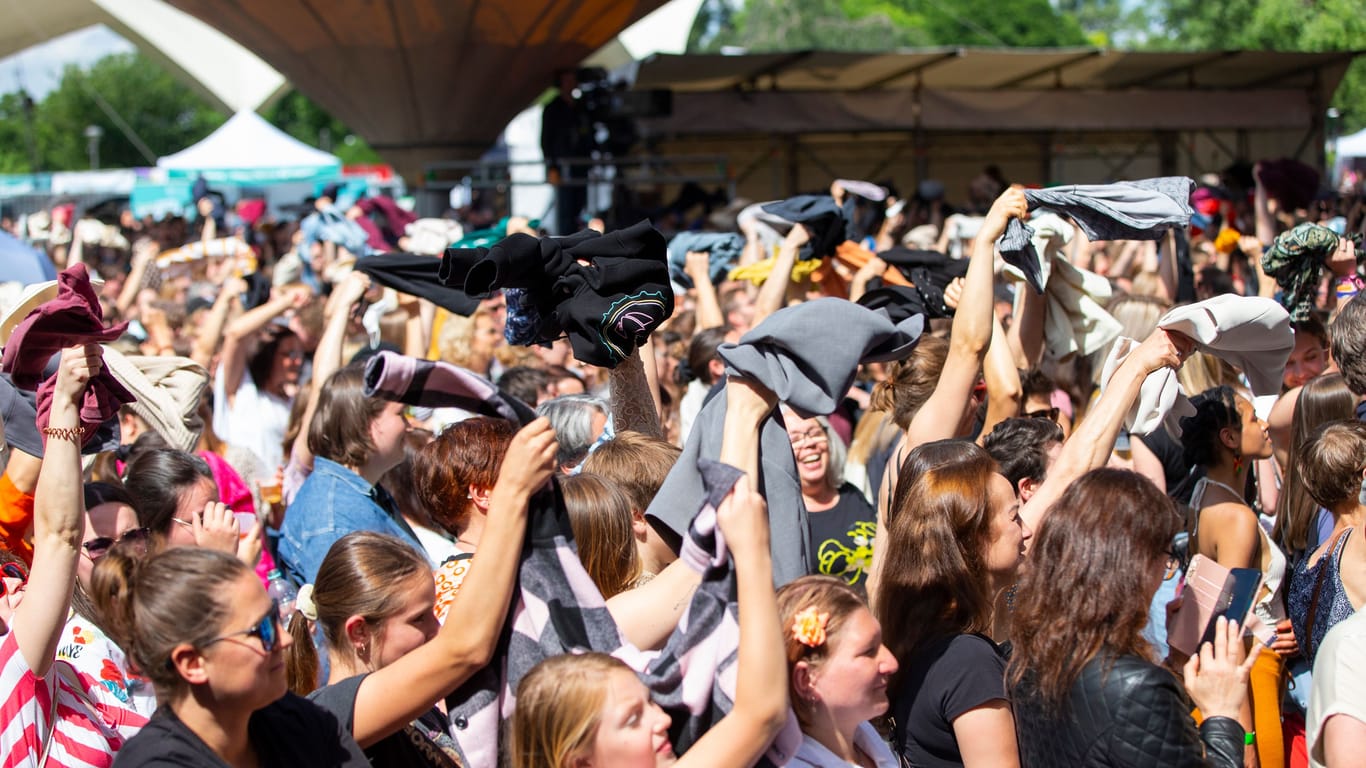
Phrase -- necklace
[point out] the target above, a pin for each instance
(466, 542)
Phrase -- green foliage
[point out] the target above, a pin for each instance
(162, 112)
(1278, 25)
(877, 25)
(297, 115)
(1194, 25)
(1014, 23)
(763, 26)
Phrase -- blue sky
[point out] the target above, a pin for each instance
(39, 69)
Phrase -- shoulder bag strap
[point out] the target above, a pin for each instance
(61, 674)
(1318, 589)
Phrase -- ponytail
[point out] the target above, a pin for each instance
(151, 606)
(301, 658)
(111, 591)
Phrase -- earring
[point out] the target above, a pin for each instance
(1238, 464)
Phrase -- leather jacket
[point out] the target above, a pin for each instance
(1122, 711)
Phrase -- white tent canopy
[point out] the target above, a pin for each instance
(248, 150)
(1352, 146)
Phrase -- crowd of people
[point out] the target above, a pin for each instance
(855, 478)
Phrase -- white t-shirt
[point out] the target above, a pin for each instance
(1339, 681)
(255, 421)
(813, 754)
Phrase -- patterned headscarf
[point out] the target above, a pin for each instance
(1296, 261)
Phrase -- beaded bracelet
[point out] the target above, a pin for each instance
(74, 434)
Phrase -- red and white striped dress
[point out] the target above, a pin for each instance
(86, 735)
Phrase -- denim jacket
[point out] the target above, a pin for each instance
(333, 502)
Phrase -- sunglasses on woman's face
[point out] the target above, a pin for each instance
(267, 629)
(96, 548)
(11, 571)
(1044, 413)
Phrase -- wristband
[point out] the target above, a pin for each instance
(1250, 738)
(74, 434)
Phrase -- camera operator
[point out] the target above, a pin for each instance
(566, 132)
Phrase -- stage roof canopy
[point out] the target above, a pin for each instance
(977, 69)
(422, 80)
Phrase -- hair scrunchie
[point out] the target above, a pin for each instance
(304, 603)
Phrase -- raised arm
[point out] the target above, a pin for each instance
(394, 696)
(1261, 208)
(244, 325)
(698, 267)
(1026, 329)
(1093, 440)
(1004, 392)
(211, 332)
(648, 614)
(634, 404)
(774, 289)
(144, 252)
(760, 705)
(972, 323)
(58, 514)
(859, 285)
(327, 358)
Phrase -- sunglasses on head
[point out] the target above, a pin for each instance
(267, 630)
(98, 547)
(11, 571)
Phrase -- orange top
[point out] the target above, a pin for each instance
(16, 517)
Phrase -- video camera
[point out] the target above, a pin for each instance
(611, 104)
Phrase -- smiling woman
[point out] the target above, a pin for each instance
(838, 673)
(842, 523)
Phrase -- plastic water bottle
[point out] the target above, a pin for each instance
(282, 591)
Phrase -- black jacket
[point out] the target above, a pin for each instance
(1123, 711)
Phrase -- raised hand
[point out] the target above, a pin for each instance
(1162, 349)
(216, 528)
(1010, 205)
(743, 519)
(79, 364)
(530, 458)
(1216, 677)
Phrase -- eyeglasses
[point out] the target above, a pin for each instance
(96, 548)
(267, 629)
(11, 571)
(1044, 413)
(809, 437)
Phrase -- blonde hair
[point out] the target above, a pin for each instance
(453, 341)
(910, 382)
(600, 515)
(558, 706)
(875, 432)
(826, 595)
(1202, 372)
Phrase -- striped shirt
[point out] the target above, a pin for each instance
(85, 736)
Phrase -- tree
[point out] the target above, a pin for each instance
(1277, 25)
(157, 110)
(297, 115)
(878, 25)
(762, 26)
